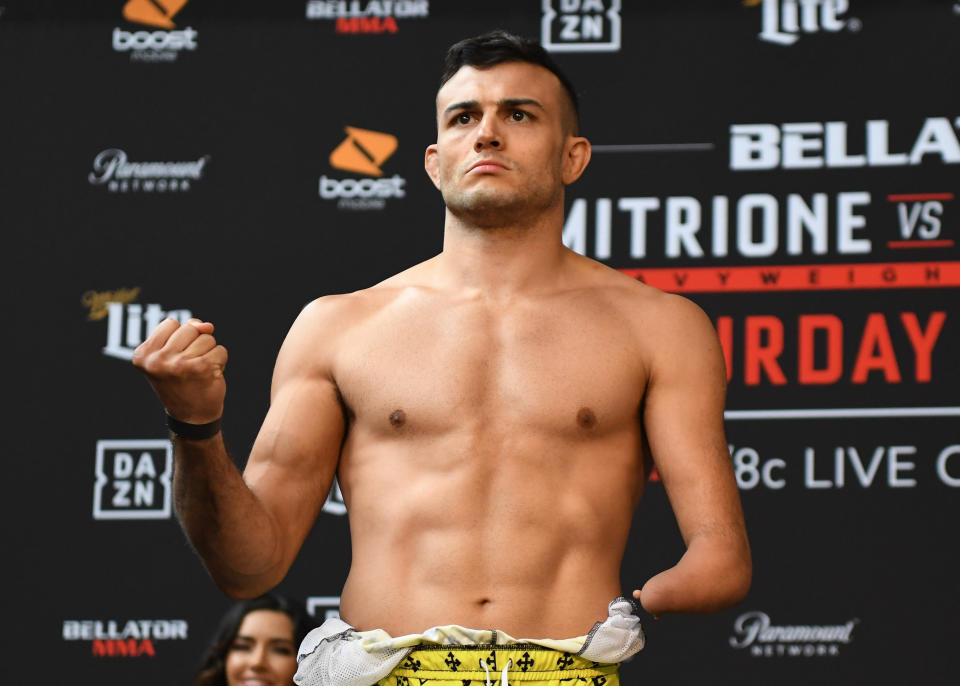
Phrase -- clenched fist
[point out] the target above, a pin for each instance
(185, 365)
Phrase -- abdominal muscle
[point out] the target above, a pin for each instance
(525, 536)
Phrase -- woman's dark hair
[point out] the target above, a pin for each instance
(212, 671)
(497, 47)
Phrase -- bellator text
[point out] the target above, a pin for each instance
(133, 638)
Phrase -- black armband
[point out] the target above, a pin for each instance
(193, 432)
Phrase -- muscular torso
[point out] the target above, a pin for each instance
(492, 457)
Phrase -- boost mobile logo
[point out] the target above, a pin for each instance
(153, 12)
(363, 151)
(581, 25)
(783, 20)
(154, 46)
(133, 480)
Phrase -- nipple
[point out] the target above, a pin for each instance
(586, 418)
(397, 418)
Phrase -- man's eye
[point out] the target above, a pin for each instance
(519, 115)
(463, 118)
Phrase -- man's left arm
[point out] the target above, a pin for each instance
(683, 421)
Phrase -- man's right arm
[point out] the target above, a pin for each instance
(248, 529)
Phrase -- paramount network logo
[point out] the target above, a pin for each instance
(755, 631)
(114, 170)
(363, 152)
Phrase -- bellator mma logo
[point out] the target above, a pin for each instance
(370, 16)
(132, 638)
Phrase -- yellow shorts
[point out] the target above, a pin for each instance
(530, 665)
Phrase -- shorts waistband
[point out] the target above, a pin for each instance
(526, 662)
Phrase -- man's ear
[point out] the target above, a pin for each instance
(576, 157)
(431, 162)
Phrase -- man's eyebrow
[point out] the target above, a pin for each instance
(508, 102)
(463, 105)
(516, 102)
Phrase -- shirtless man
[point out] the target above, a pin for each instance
(491, 413)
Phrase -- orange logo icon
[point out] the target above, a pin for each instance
(363, 151)
(153, 12)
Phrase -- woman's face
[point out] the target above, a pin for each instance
(263, 653)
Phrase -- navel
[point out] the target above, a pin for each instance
(398, 418)
(586, 418)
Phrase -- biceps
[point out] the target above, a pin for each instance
(295, 455)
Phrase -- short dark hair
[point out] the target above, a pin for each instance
(497, 47)
(213, 669)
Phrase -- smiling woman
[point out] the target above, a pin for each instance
(255, 644)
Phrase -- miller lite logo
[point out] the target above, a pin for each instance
(133, 479)
(785, 20)
(581, 25)
(129, 324)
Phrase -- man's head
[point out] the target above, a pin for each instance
(507, 138)
(497, 47)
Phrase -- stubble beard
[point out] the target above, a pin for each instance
(493, 208)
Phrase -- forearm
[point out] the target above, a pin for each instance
(714, 573)
(223, 519)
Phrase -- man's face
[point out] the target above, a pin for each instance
(504, 135)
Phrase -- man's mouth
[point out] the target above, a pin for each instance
(486, 166)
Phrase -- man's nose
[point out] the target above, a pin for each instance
(488, 134)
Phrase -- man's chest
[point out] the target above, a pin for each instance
(435, 370)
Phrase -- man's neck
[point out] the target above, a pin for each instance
(501, 262)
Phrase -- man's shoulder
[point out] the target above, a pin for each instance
(657, 317)
(342, 311)
(637, 297)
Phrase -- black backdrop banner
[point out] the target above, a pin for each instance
(793, 166)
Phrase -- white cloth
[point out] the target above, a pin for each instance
(334, 654)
